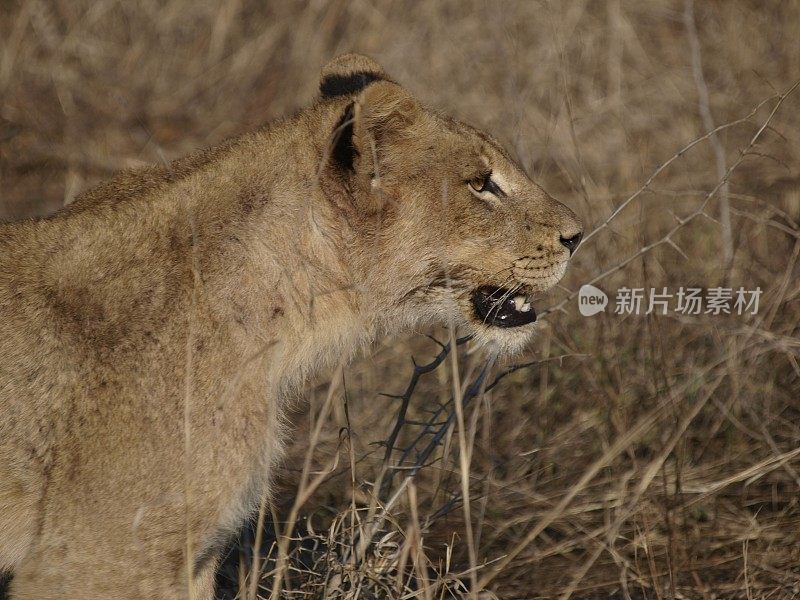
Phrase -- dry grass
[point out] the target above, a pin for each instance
(639, 457)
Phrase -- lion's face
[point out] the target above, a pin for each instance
(495, 239)
(464, 235)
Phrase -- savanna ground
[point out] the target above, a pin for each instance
(650, 456)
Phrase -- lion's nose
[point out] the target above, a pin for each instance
(571, 242)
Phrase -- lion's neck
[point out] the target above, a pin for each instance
(278, 272)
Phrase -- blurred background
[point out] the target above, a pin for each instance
(638, 456)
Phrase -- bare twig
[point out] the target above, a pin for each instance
(708, 123)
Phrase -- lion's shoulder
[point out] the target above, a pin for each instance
(150, 179)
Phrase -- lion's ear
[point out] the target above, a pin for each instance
(377, 120)
(383, 109)
(379, 116)
(348, 75)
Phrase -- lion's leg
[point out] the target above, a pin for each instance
(50, 574)
(119, 557)
(44, 577)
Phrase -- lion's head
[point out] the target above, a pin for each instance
(448, 226)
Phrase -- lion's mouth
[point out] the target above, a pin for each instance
(501, 307)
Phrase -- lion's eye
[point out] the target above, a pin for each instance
(479, 184)
(483, 185)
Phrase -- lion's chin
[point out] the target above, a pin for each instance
(503, 342)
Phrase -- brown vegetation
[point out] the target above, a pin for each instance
(638, 457)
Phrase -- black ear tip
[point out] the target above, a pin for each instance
(348, 74)
(335, 85)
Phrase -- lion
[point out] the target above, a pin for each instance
(155, 330)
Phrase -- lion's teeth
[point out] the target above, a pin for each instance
(521, 303)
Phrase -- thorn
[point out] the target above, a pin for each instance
(677, 218)
(709, 217)
(677, 248)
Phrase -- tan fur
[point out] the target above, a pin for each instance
(152, 331)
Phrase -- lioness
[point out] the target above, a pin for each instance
(152, 331)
